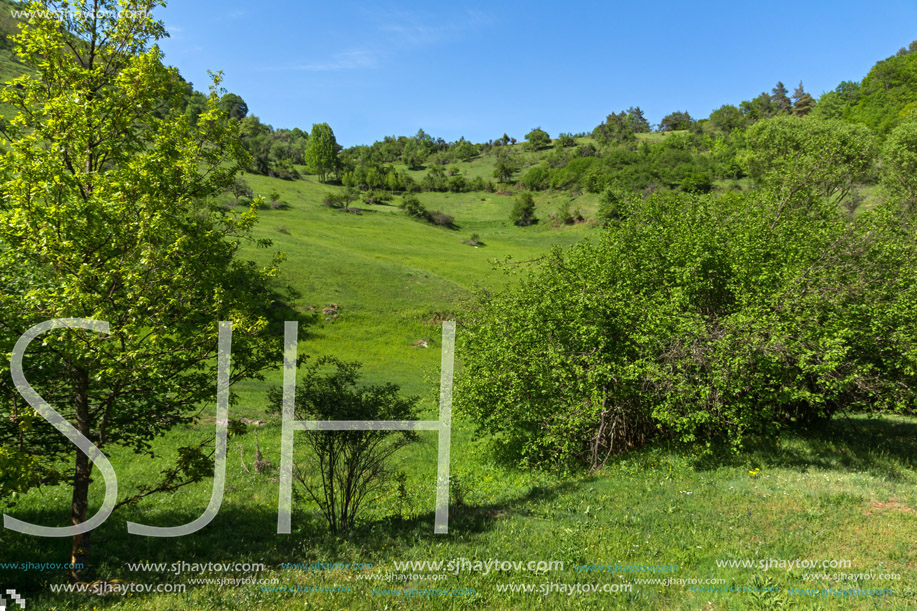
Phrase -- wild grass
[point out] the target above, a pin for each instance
(846, 492)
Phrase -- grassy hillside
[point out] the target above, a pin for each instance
(847, 493)
(830, 496)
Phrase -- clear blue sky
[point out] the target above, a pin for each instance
(479, 69)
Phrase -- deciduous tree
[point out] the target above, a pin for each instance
(109, 213)
(321, 151)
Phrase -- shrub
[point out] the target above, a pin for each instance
(565, 216)
(700, 319)
(412, 206)
(474, 240)
(565, 140)
(899, 163)
(804, 158)
(240, 188)
(610, 205)
(346, 468)
(523, 212)
(441, 218)
(334, 200)
(697, 182)
(377, 197)
(340, 199)
(536, 178)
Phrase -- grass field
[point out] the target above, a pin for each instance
(847, 493)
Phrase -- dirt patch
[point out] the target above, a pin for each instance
(894, 504)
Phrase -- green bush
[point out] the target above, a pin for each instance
(802, 159)
(523, 212)
(536, 178)
(702, 319)
(697, 182)
(899, 163)
(412, 206)
(346, 469)
(441, 218)
(610, 205)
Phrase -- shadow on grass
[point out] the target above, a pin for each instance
(882, 447)
(238, 534)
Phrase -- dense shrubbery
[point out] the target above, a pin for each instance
(700, 318)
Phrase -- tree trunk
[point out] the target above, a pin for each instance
(80, 552)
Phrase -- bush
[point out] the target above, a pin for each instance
(376, 197)
(523, 212)
(334, 200)
(564, 141)
(346, 468)
(611, 205)
(441, 218)
(536, 178)
(804, 158)
(697, 182)
(566, 217)
(412, 206)
(700, 319)
(899, 163)
(240, 188)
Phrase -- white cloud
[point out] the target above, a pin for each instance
(354, 59)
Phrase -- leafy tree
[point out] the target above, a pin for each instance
(523, 212)
(676, 121)
(886, 91)
(109, 212)
(565, 140)
(505, 167)
(899, 163)
(345, 469)
(414, 155)
(538, 139)
(618, 128)
(837, 104)
(464, 150)
(727, 118)
(758, 108)
(807, 158)
(234, 106)
(435, 179)
(321, 152)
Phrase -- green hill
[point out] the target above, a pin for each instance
(391, 279)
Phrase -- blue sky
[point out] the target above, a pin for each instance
(479, 69)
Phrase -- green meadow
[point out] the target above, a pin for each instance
(818, 519)
(844, 493)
